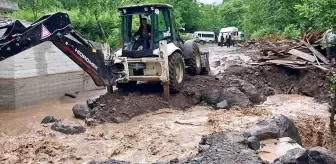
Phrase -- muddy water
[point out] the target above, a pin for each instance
(21, 120)
(154, 137)
(159, 136)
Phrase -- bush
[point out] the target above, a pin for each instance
(291, 32)
(268, 33)
(185, 36)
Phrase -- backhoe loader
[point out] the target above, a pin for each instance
(167, 58)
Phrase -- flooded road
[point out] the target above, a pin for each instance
(157, 136)
(21, 120)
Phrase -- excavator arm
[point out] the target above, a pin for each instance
(57, 29)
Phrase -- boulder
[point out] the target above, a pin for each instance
(92, 102)
(277, 126)
(286, 126)
(193, 95)
(68, 128)
(90, 121)
(211, 97)
(315, 155)
(235, 97)
(253, 143)
(264, 130)
(49, 119)
(250, 91)
(81, 111)
(222, 105)
(224, 147)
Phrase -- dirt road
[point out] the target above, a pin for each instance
(157, 136)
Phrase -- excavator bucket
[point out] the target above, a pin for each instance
(57, 29)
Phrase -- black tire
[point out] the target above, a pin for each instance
(206, 69)
(194, 65)
(126, 86)
(202, 42)
(176, 83)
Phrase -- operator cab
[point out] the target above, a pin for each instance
(159, 17)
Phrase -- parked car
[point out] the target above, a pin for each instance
(204, 37)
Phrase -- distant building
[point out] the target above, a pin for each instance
(7, 5)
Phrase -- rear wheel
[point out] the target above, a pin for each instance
(194, 63)
(126, 86)
(176, 72)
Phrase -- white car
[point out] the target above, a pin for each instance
(204, 37)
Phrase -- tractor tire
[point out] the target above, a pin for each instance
(176, 72)
(194, 63)
(126, 86)
(206, 69)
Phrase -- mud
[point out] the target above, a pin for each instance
(269, 80)
(151, 130)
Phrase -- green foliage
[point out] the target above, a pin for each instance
(332, 86)
(291, 31)
(318, 13)
(185, 36)
(259, 19)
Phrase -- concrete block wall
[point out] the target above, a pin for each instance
(38, 74)
(8, 5)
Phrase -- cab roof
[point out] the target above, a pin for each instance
(158, 5)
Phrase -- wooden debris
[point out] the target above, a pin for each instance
(297, 53)
(302, 55)
(317, 53)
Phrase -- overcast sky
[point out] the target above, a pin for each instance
(211, 1)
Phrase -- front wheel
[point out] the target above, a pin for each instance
(176, 72)
(194, 63)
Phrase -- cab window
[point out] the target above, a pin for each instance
(163, 25)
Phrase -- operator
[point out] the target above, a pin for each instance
(330, 44)
(144, 34)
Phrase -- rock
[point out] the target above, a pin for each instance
(320, 154)
(286, 127)
(80, 111)
(68, 128)
(246, 134)
(222, 105)
(92, 102)
(268, 91)
(49, 119)
(264, 130)
(90, 121)
(250, 91)
(217, 63)
(226, 148)
(193, 95)
(306, 156)
(110, 162)
(235, 97)
(211, 96)
(253, 143)
(277, 126)
(203, 148)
